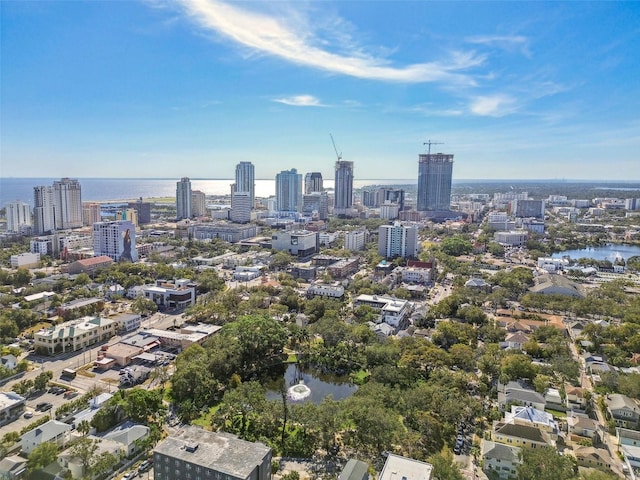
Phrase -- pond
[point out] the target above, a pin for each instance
(608, 252)
(318, 385)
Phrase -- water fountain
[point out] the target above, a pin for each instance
(298, 392)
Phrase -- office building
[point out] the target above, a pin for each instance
(246, 181)
(434, 181)
(116, 240)
(67, 204)
(194, 453)
(240, 207)
(18, 216)
(288, 191)
(299, 243)
(183, 199)
(389, 211)
(316, 204)
(143, 209)
(528, 208)
(198, 203)
(313, 183)
(43, 212)
(343, 187)
(398, 240)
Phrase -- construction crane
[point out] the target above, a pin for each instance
(429, 142)
(339, 155)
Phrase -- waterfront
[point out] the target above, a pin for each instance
(112, 189)
(607, 252)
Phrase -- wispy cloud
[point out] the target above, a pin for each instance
(497, 105)
(509, 43)
(294, 39)
(300, 101)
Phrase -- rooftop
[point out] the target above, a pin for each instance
(397, 467)
(214, 450)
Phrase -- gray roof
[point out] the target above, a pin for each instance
(521, 431)
(617, 401)
(354, 470)
(500, 451)
(127, 433)
(218, 451)
(513, 393)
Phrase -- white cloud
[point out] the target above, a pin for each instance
(292, 38)
(509, 43)
(493, 105)
(300, 101)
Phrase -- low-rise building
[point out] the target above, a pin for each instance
(89, 265)
(343, 268)
(25, 260)
(502, 460)
(515, 392)
(51, 432)
(397, 467)
(581, 425)
(186, 336)
(74, 335)
(12, 406)
(554, 284)
(624, 410)
(393, 311)
(229, 232)
(197, 453)
(71, 309)
(128, 322)
(592, 457)
(322, 290)
(512, 238)
(179, 294)
(299, 243)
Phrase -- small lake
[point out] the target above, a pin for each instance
(320, 384)
(607, 252)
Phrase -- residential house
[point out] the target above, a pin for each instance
(12, 467)
(575, 398)
(592, 457)
(581, 425)
(629, 445)
(514, 341)
(52, 431)
(10, 362)
(354, 470)
(396, 467)
(74, 464)
(624, 411)
(519, 394)
(553, 399)
(128, 435)
(520, 435)
(500, 459)
(532, 417)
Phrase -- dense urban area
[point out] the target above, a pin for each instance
(485, 330)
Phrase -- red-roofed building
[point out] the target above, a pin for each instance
(89, 265)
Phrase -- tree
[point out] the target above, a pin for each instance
(517, 366)
(239, 407)
(143, 306)
(40, 382)
(142, 404)
(444, 466)
(21, 278)
(42, 455)
(456, 246)
(280, 260)
(84, 427)
(545, 464)
(84, 449)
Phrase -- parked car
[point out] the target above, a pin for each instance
(44, 406)
(144, 466)
(129, 475)
(28, 415)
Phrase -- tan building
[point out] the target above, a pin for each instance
(74, 335)
(89, 265)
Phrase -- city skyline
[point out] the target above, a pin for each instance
(525, 90)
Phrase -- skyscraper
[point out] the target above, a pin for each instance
(116, 240)
(43, 213)
(288, 191)
(246, 181)
(398, 240)
(313, 183)
(198, 203)
(67, 203)
(343, 187)
(183, 198)
(18, 216)
(434, 181)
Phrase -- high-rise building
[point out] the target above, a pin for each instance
(343, 187)
(434, 181)
(313, 183)
(317, 202)
(128, 214)
(116, 240)
(288, 191)
(91, 213)
(18, 216)
(183, 199)
(143, 209)
(43, 212)
(246, 180)
(391, 195)
(240, 207)
(528, 208)
(67, 201)
(198, 203)
(398, 240)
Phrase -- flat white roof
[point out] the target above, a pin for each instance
(400, 468)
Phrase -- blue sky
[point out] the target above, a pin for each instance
(514, 90)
